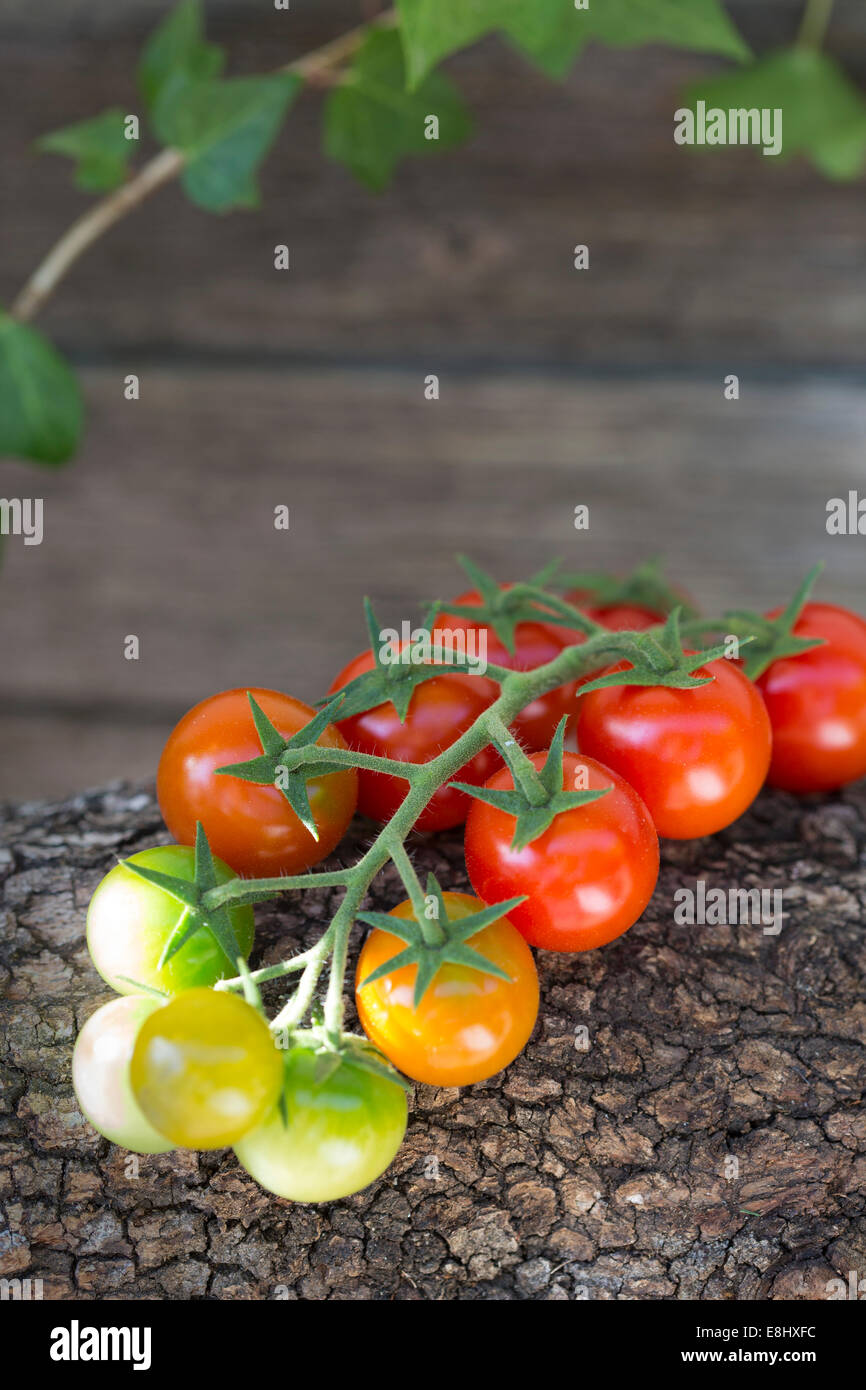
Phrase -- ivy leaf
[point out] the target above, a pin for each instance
(552, 32)
(41, 409)
(176, 54)
(824, 115)
(99, 147)
(224, 130)
(371, 121)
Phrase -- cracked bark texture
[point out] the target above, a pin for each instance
(601, 1171)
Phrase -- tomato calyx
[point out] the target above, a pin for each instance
(657, 657)
(538, 796)
(645, 587)
(278, 766)
(397, 670)
(769, 639)
(197, 915)
(347, 1049)
(428, 956)
(504, 609)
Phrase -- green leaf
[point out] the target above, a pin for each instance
(372, 122)
(824, 115)
(99, 147)
(552, 32)
(224, 130)
(41, 409)
(176, 54)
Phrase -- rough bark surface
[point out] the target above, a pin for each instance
(599, 1172)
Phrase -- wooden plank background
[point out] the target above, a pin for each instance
(307, 388)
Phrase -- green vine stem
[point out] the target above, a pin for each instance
(815, 23)
(318, 68)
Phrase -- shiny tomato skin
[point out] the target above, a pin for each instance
(100, 1074)
(625, 617)
(130, 922)
(697, 757)
(469, 1025)
(340, 1133)
(535, 645)
(588, 877)
(253, 828)
(205, 1069)
(817, 704)
(441, 709)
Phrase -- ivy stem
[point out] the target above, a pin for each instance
(815, 23)
(313, 68)
(522, 768)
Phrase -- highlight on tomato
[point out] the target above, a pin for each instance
(131, 921)
(588, 876)
(468, 1025)
(817, 703)
(205, 1069)
(336, 1129)
(440, 710)
(697, 757)
(251, 826)
(100, 1074)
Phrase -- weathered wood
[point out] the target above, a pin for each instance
(603, 1173)
(695, 260)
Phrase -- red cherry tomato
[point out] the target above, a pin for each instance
(253, 828)
(588, 877)
(697, 757)
(619, 617)
(441, 709)
(817, 704)
(535, 644)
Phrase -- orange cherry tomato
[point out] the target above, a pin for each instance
(253, 828)
(469, 1025)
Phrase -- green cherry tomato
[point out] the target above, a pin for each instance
(205, 1069)
(340, 1133)
(129, 922)
(100, 1074)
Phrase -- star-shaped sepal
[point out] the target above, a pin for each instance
(538, 796)
(656, 657)
(504, 609)
(196, 916)
(398, 670)
(645, 586)
(273, 767)
(452, 948)
(773, 638)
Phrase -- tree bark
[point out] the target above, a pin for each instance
(703, 1140)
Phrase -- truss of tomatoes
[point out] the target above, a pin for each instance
(173, 1062)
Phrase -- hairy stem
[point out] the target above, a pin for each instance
(315, 68)
(815, 23)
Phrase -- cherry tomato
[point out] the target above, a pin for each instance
(251, 827)
(441, 709)
(588, 877)
(817, 704)
(697, 757)
(339, 1135)
(469, 1025)
(129, 922)
(535, 645)
(205, 1069)
(100, 1074)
